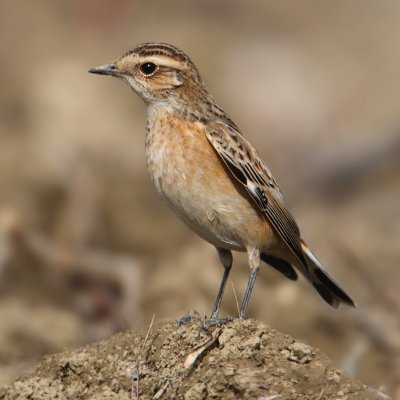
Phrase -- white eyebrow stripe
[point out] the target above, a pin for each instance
(162, 61)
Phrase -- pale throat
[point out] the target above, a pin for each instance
(197, 105)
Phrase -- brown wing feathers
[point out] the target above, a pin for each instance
(245, 165)
(243, 162)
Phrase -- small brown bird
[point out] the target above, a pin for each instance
(211, 176)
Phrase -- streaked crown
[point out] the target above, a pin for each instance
(160, 49)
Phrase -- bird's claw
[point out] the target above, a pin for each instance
(216, 321)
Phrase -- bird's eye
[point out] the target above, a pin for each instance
(148, 68)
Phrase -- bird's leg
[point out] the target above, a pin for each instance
(225, 257)
(254, 261)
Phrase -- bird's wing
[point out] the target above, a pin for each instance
(246, 166)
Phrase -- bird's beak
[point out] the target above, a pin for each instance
(108, 69)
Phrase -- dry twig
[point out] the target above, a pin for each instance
(236, 299)
(199, 352)
(136, 366)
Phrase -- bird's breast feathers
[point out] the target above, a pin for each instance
(192, 179)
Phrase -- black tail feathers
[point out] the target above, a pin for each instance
(325, 285)
(282, 266)
(329, 290)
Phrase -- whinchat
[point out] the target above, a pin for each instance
(211, 176)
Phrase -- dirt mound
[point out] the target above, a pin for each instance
(238, 360)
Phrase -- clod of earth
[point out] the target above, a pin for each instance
(242, 359)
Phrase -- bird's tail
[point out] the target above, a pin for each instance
(325, 285)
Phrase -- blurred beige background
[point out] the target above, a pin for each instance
(88, 249)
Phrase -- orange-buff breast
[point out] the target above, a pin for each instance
(195, 183)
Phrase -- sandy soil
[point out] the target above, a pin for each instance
(238, 360)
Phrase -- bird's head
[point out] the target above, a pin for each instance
(157, 72)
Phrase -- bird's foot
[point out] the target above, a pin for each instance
(187, 318)
(216, 321)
